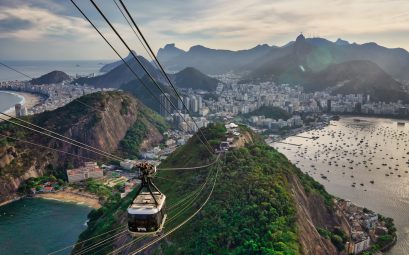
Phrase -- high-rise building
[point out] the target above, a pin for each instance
(165, 107)
(23, 111)
(186, 100)
(194, 104)
(180, 103)
(200, 101)
(17, 108)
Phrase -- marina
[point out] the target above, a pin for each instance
(365, 160)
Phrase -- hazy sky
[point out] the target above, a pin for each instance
(53, 29)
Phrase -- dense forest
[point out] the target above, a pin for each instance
(251, 210)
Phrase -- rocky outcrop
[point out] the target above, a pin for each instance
(102, 125)
(312, 213)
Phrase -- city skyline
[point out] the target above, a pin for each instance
(40, 29)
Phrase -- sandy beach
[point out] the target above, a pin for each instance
(29, 100)
(73, 197)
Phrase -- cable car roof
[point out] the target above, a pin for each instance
(145, 204)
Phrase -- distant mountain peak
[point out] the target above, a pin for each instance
(341, 42)
(169, 46)
(300, 38)
(197, 48)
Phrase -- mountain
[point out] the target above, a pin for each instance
(261, 204)
(394, 62)
(136, 88)
(360, 76)
(169, 52)
(193, 78)
(51, 77)
(121, 74)
(341, 42)
(114, 122)
(108, 67)
(209, 61)
(315, 64)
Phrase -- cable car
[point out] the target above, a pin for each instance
(146, 214)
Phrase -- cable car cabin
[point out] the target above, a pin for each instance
(145, 216)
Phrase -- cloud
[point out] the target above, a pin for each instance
(31, 23)
(214, 23)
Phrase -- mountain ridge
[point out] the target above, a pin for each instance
(395, 61)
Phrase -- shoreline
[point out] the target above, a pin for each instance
(11, 200)
(29, 100)
(71, 197)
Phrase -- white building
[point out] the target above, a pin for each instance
(89, 170)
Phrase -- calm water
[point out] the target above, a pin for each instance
(39, 226)
(8, 100)
(38, 68)
(350, 151)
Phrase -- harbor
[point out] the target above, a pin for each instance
(364, 160)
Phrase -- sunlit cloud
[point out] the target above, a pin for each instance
(214, 23)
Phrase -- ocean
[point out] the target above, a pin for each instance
(8, 100)
(351, 153)
(38, 68)
(40, 226)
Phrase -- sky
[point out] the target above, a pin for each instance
(55, 30)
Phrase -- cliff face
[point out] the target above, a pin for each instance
(103, 124)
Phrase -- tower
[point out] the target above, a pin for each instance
(164, 109)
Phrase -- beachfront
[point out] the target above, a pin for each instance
(72, 196)
(28, 100)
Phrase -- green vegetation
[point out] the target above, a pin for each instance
(138, 132)
(310, 185)
(337, 237)
(133, 139)
(105, 219)
(98, 188)
(38, 183)
(194, 151)
(270, 112)
(251, 210)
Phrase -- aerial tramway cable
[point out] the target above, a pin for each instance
(144, 247)
(59, 139)
(160, 67)
(61, 136)
(46, 147)
(133, 72)
(73, 140)
(146, 71)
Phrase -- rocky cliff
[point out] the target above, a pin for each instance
(103, 124)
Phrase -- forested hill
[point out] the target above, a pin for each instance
(193, 78)
(114, 122)
(261, 204)
(51, 77)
